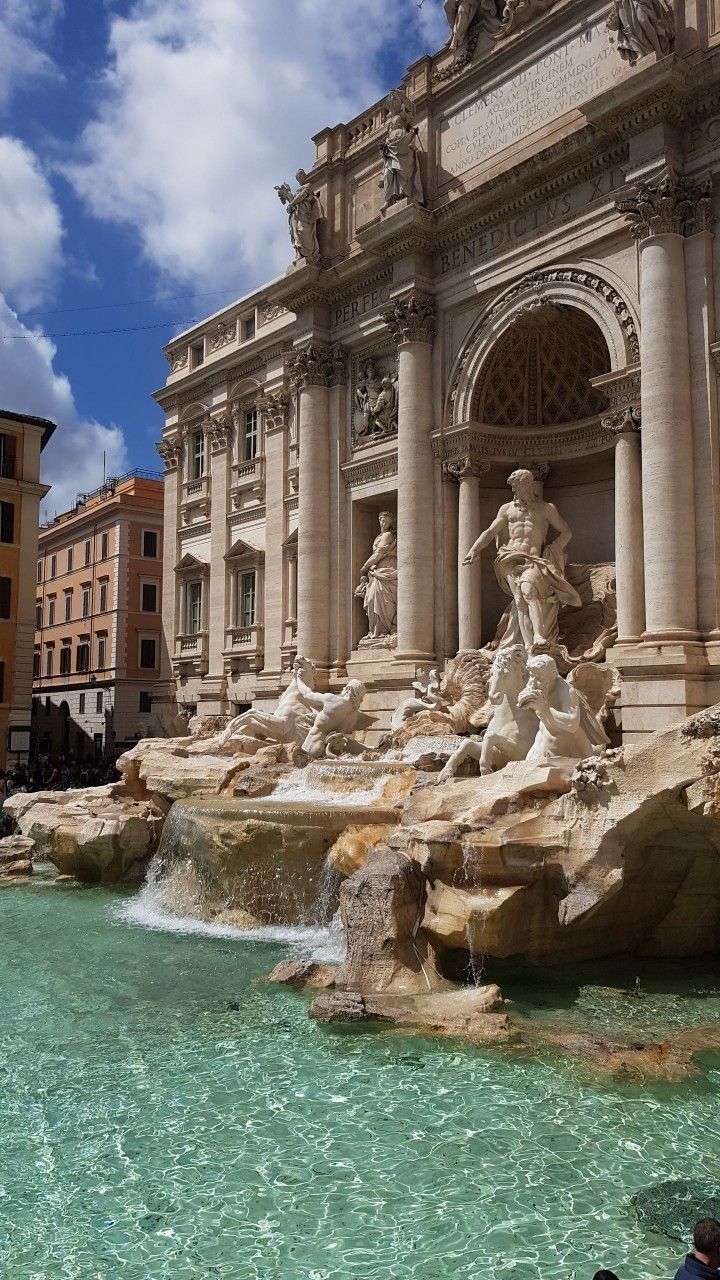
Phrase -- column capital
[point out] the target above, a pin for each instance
(670, 205)
(170, 451)
(218, 429)
(466, 468)
(273, 405)
(412, 318)
(318, 366)
(623, 422)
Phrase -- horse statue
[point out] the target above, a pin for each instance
(512, 729)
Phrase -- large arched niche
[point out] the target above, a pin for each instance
(595, 305)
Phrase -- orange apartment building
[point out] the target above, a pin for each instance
(98, 628)
(22, 440)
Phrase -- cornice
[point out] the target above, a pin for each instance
(182, 394)
(383, 466)
(544, 444)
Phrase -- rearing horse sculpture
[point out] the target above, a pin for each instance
(512, 730)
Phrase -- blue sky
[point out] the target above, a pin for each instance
(140, 141)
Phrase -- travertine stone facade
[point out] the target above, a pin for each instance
(539, 292)
(98, 620)
(22, 439)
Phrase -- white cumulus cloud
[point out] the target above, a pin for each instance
(73, 461)
(31, 229)
(25, 28)
(206, 104)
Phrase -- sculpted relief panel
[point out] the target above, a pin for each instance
(527, 102)
(375, 400)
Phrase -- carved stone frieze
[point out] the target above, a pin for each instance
(359, 473)
(517, 13)
(171, 452)
(375, 399)
(270, 311)
(318, 366)
(274, 407)
(542, 446)
(466, 467)
(411, 319)
(671, 205)
(222, 335)
(639, 27)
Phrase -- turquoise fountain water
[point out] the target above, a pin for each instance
(163, 1113)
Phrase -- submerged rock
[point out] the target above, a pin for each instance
(673, 1208)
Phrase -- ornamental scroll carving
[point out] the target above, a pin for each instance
(318, 366)
(466, 468)
(218, 431)
(178, 360)
(623, 422)
(671, 205)
(411, 319)
(170, 451)
(222, 335)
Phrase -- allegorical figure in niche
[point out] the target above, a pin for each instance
(304, 213)
(528, 567)
(379, 583)
(400, 152)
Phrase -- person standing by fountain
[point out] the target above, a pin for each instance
(704, 1261)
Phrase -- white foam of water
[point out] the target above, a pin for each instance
(322, 943)
(302, 792)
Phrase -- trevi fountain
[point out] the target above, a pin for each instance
(396, 954)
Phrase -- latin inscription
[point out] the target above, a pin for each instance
(363, 306)
(475, 250)
(512, 112)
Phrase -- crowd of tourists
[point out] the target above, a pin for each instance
(704, 1261)
(57, 773)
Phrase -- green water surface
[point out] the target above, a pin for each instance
(165, 1114)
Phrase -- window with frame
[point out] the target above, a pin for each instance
(251, 437)
(48, 661)
(81, 704)
(248, 328)
(38, 615)
(99, 702)
(197, 355)
(36, 664)
(39, 571)
(7, 521)
(88, 551)
(82, 657)
(103, 595)
(193, 620)
(198, 456)
(150, 544)
(5, 597)
(53, 566)
(246, 599)
(148, 597)
(65, 660)
(8, 445)
(51, 611)
(104, 546)
(145, 704)
(101, 653)
(68, 606)
(70, 556)
(148, 649)
(86, 602)
(2, 681)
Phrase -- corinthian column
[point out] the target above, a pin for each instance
(661, 214)
(313, 372)
(467, 472)
(411, 322)
(629, 566)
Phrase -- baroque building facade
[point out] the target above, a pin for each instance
(509, 263)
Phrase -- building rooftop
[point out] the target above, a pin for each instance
(113, 486)
(49, 427)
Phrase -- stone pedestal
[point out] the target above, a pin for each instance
(411, 322)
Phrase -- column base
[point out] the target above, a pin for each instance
(673, 636)
(414, 655)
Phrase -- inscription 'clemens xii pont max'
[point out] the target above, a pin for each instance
(560, 82)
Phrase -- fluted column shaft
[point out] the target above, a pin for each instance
(411, 322)
(313, 371)
(630, 569)
(661, 214)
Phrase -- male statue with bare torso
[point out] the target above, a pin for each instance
(528, 567)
